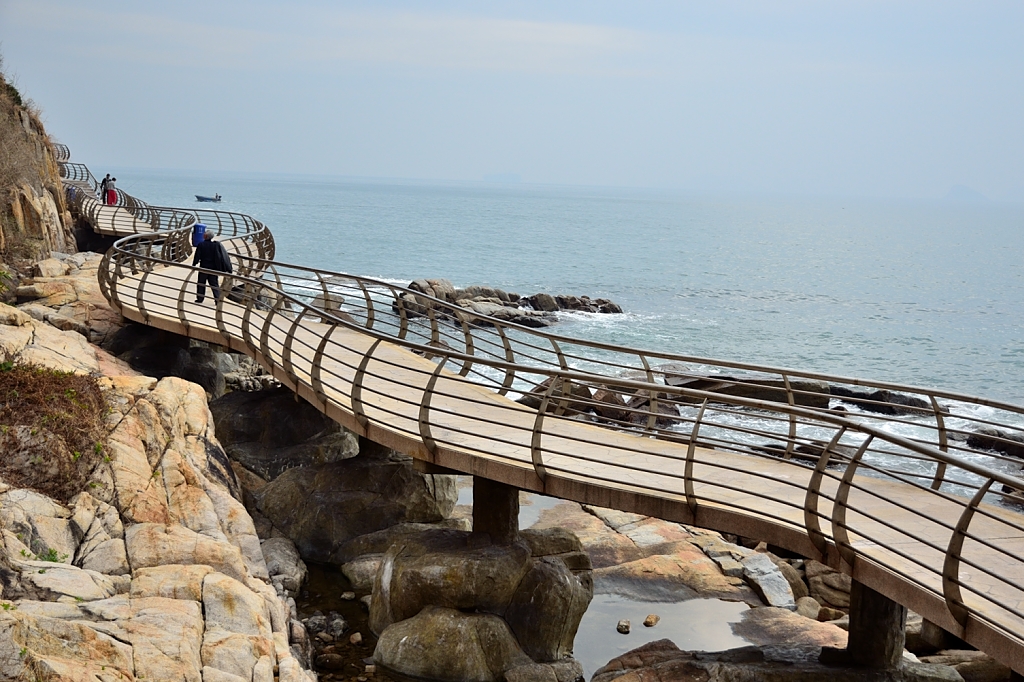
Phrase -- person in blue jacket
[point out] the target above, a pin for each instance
(210, 255)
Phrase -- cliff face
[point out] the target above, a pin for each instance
(33, 216)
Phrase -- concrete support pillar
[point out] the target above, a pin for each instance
(495, 510)
(877, 629)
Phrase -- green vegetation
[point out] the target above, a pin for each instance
(51, 555)
(51, 428)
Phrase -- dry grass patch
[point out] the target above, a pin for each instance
(51, 429)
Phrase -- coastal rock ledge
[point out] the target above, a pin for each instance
(472, 302)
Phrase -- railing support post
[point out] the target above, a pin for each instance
(877, 631)
(495, 510)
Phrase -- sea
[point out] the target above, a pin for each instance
(928, 293)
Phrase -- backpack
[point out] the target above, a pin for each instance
(198, 230)
(224, 261)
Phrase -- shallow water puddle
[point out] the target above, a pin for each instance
(697, 624)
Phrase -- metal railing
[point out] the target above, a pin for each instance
(61, 152)
(900, 486)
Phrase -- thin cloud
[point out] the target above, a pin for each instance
(473, 43)
(309, 38)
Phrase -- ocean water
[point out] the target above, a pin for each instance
(924, 293)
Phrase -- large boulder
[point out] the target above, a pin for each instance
(285, 566)
(644, 558)
(322, 507)
(447, 645)
(270, 431)
(547, 607)
(541, 585)
(26, 340)
(453, 569)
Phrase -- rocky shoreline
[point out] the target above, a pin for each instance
(472, 302)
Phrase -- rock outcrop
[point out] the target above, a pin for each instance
(471, 303)
(25, 340)
(154, 570)
(64, 292)
(34, 219)
(644, 558)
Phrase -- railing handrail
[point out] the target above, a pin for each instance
(590, 377)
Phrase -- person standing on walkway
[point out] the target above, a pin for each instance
(111, 192)
(103, 189)
(210, 255)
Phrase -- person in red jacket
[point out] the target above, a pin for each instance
(210, 255)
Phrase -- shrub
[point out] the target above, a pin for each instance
(51, 427)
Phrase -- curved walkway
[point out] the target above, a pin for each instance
(898, 490)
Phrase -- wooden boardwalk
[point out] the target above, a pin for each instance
(895, 536)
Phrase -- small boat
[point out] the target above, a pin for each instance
(215, 197)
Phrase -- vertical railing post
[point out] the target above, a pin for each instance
(225, 286)
(564, 384)
(180, 304)
(424, 415)
(140, 302)
(691, 448)
(403, 317)
(286, 352)
(652, 418)
(791, 442)
(536, 453)
(369, 305)
(435, 332)
(510, 358)
(314, 373)
(954, 552)
(940, 467)
(811, 517)
(357, 387)
(839, 530)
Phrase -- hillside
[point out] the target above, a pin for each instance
(34, 219)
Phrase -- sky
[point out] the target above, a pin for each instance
(876, 98)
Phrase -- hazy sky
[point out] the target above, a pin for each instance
(879, 98)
